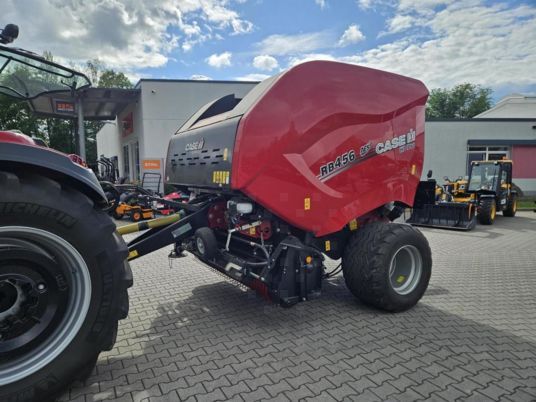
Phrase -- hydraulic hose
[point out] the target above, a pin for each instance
(150, 224)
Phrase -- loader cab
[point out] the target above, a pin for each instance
(490, 177)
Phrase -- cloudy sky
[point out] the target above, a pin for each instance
(441, 42)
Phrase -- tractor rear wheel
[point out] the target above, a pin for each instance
(511, 207)
(487, 211)
(63, 286)
(387, 265)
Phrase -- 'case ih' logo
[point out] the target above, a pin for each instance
(195, 146)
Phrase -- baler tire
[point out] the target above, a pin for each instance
(487, 211)
(40, 216)
(368, 257)
(209, 243)
(511, 207)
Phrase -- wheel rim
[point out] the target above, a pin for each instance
(514, 207)
(405, 270)
(45, 295)
(200, 246)
(493, 211)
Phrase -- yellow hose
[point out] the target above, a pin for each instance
(152, 223)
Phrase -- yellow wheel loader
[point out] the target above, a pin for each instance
(459, 203)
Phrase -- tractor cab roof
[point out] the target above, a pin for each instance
(25, 75)
(497, 162)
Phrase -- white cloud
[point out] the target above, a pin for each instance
(200, 77)
(428, 6)
(265, 62)
(469, 42)
(294, 44)
(400, 23)
(219, 60)
(351, 36)
(373, 5)
(364, 4)
(124, 34)
(321, 3)
(293, 61)
(252, 77)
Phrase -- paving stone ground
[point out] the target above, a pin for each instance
(194, 335)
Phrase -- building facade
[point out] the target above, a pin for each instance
(451, 146)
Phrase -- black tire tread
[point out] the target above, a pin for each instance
(211, 244)
(25, 186)
(363, 263)
(484, 213)
(509, 211)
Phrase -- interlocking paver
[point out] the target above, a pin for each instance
(192, 333)
(236, 389)
(256, 395)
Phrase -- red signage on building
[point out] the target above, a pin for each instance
(127, 125)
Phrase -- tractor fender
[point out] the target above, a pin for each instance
(54, 164)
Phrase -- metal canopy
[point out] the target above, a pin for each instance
(97, 103)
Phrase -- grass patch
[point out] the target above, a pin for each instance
(526, 203)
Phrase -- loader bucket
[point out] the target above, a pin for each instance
(446, 215)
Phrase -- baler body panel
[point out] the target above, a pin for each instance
(318, 112)
(202, 156)
(318, 145)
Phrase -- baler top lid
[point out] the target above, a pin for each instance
(227, 106)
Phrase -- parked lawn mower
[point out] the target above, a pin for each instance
(134, 206)
(275, 186)
(460, 203)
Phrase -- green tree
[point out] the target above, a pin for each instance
(114, 79)
(463, 101)
(16, 115)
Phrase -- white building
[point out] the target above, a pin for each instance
(515, 106)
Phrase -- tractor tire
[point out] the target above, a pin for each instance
(387, 265)
(511, 207)
(63, 286)
(487, 211)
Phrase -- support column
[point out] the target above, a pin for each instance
(81, 131)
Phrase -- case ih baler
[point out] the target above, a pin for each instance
(313, 163)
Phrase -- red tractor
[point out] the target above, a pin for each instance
(313, 163)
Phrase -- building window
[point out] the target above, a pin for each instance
(137, 160)
(486, 153)
(126, 162)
